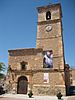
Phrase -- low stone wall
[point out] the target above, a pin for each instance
(47, 90)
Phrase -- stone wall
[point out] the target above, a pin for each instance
(54, 9)
(73, 77)
(33, 57)
(55, 83)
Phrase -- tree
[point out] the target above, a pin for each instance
(2, 68)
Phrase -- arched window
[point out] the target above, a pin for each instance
(48, 15)
(23, 65)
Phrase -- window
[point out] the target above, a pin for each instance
(48, 59)
(23, 65)
(48, 15)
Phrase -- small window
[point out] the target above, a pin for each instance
(23, 65)
(48, 59)
(48, 15)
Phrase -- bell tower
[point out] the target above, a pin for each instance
(41, 69)
(49, 33)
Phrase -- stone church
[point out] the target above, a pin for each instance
(33, 68)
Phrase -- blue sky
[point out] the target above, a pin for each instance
(18, 26)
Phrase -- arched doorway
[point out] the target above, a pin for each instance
(22, 85)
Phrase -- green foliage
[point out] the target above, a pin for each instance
(1, 75)
(2, 66)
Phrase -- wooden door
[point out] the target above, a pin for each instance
(22, 85)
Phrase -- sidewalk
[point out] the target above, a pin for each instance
(25, 97)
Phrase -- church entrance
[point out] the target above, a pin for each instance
(22, 85)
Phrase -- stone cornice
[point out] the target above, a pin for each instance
(51, 6)
(49, 21)
(32, 71)
(23, 52)
(52, 37)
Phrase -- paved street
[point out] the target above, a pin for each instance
(71, 98)
(25, 97)
(8, 98)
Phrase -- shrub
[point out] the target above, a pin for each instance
(59, 95)
(30, 94)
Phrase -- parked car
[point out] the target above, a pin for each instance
(72, 90)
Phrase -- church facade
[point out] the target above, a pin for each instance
(41, 69)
